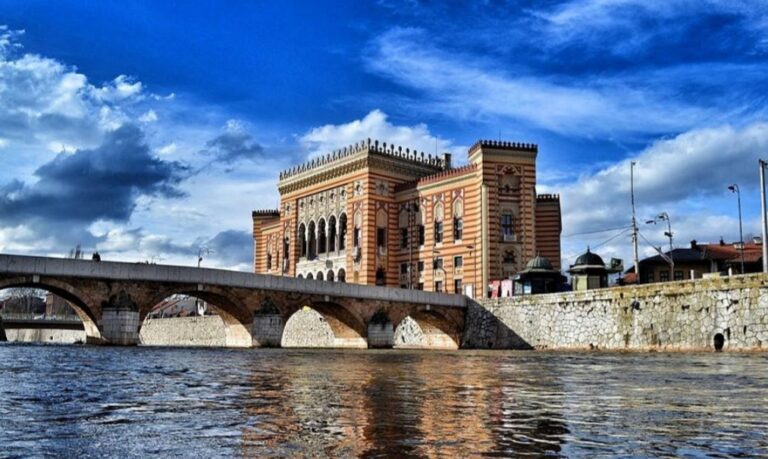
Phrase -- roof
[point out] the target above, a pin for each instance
(731, 254)
(678, 256)
(589, 259)
(539, 264)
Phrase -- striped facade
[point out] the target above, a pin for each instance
(374, 213)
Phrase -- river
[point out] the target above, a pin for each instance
(90, 401)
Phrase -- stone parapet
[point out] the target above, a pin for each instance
(686, 315)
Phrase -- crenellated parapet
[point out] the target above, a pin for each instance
(504, 145)
(368, 145)
(547, 197)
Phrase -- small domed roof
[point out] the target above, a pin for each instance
(589, 258)
(539, 262)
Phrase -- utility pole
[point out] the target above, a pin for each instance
(763, 164)
(735, 189)
(634, 220)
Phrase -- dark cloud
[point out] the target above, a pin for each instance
(232, 247)
(232, 146)
(75, 190)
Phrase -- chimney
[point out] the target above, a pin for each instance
(694, 245)
(722, 242)
(446, 161)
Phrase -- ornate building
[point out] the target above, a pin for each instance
(374, 213)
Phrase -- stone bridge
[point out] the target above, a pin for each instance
(114, 298)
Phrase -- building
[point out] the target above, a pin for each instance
(375, 213)
(589, 272)
(698, 260)
(538, 277)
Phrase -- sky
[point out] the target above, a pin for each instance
(147, 130)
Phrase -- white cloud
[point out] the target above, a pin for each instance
(469, 88)
(168, 149)
(148, 117)
(686, 176)
(375, 125)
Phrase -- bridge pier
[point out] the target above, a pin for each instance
(267, 330)
(120, 327)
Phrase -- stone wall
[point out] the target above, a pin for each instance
(44, 335)
(183, 331)
(683, 315)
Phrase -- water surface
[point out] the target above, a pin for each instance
(83, 401)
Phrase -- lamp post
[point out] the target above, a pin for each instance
(200, 252)
(735, 189)
(665, 217)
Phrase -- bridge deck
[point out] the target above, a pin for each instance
(65, 267)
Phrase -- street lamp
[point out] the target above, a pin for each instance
(735, 189)
(665, 217)
(201, 307)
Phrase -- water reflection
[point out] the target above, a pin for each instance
(92, 401)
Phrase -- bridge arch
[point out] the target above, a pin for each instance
(324, 324)
(237, 318)
(427, 329)
(76, 299)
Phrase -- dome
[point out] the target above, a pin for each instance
(589, 259)
(539, 263)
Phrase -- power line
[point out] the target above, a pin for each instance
(595, 231)
(620, 233)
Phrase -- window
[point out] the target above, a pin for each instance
(269, 261)
(678, 275)
(381, 277)
(381, 238)
(356, 237)
(458, 262)
(438, 223)
(342, 231)
(332, 234)
(403, 237)
(358, 221)
(458, 221)
(457, 286)
(420, 266)
(507, 228)
(286, 248)
(303, 240)
(403, 268)
(664, 276)
(421, 234)
(322, 239)
(439, 286)
(437, 263)
(420, 286)
(458, 229)
(648, 276)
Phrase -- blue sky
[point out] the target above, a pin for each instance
(147, 129)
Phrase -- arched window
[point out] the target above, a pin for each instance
(300, 276)
(319, 276)
(302, 240)
(329, 276)
(439, 213)
(332, 234)
(286, 247)
(381, 230)
(458, 220)
(311, 241)
(356, 236)
(342, 231)
(509, 182)
(403, 224)
(269, 261)
(309, 276)
(322, 237)
(342, 277)
(381, 277)
(421, 224)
